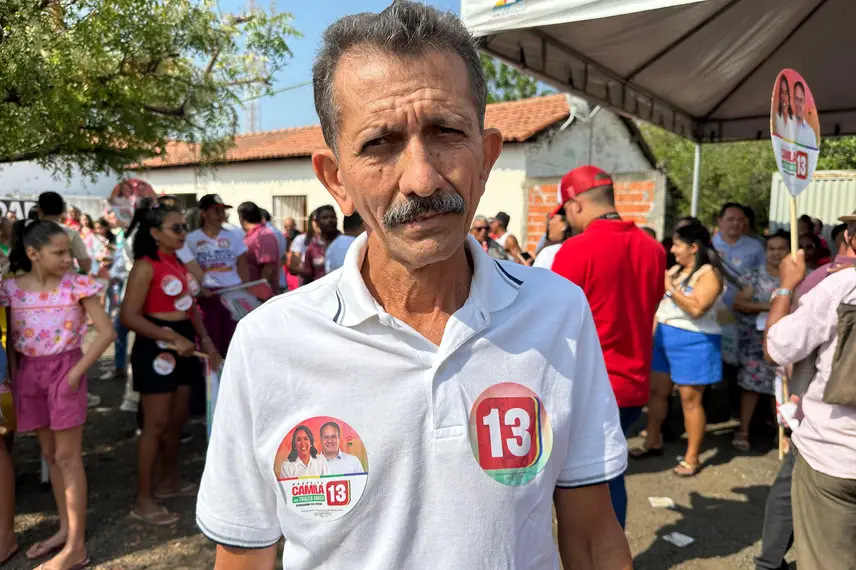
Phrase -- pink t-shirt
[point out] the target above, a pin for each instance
(48, 323)
(262, 249)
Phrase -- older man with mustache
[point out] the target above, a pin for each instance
(473, 390)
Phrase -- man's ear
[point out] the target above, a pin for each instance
(491, 147)
(326, 167)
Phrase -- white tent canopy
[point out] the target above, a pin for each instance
(701, 68)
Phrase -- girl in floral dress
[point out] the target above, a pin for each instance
(48, 305)
(756, 377)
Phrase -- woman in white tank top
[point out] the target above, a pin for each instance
(687, 342)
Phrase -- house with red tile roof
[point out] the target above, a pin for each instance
(544, 137)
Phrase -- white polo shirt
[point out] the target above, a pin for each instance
(344, 463)
(464, 442)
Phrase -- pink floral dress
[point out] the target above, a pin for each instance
(48, 323)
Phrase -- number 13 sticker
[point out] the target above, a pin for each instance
(510, 433)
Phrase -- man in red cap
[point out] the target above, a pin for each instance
(621, 270)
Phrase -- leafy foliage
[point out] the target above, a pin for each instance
(505, 83)
(106, 83)
(733, 172)
(730, 172)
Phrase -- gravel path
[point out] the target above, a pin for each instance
(722, 508)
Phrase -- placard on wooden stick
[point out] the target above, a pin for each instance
(795, 132)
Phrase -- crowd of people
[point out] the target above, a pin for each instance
(158, 279)
(515, 386)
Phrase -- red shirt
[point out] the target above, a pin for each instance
(262, 248)
(621, 270)
(172, 288)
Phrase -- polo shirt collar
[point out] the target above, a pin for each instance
(493, 288)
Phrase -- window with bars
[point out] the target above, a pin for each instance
(290, 207)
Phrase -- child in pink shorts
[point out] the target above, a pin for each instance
(47, 316)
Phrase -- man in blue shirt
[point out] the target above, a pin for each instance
(739, 252)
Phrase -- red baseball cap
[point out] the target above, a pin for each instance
(578, 181)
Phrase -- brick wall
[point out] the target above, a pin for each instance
(635, 199)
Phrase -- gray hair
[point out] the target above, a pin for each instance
(414, 206)
(404, 28)
(478, 219)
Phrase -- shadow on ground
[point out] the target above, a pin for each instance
(713, 523)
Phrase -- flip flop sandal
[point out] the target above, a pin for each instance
(186, 490)
(740, 442)
(10, 556)
(690, 470)
(87, 562)
(49, 552)
(642, 452)
(159, 518)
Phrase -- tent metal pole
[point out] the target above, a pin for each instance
(696, 180)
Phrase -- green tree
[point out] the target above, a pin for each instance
(730, 172)
(837, 154)
(106, 83)
(504, 83)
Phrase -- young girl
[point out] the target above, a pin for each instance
(48, 305)
(159, 307)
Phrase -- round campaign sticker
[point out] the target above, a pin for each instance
(183, 303)
(171, 285)
(795, 130)
(322, 468)
(192, 285)
(510, 433)
(164, 364)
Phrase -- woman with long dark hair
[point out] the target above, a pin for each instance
(783, 123)
(687, 342)
(159, 307)
(304, 458)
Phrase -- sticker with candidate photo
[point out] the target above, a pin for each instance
(322, 468)
(510, 433)
(171, 285)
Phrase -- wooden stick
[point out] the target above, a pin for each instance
(785, 395)
(787, 398)
(196, 353)
(794, 229)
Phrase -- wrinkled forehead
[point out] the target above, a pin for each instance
(371, 81)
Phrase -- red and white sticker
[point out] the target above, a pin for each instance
(171, 285)
(510, 433)
(164, 364)
(183, 303)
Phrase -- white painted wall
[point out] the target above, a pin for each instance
(603, 141)
(505, 192)
(260, 181)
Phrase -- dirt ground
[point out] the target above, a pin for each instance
(722, 508)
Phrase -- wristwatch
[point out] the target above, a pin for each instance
(780, 293)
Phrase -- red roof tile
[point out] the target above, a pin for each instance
(518, 121)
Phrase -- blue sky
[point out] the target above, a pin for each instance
(295, 108)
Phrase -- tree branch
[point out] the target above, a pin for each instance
(167, 111)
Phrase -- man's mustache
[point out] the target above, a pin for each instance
(415, 206)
